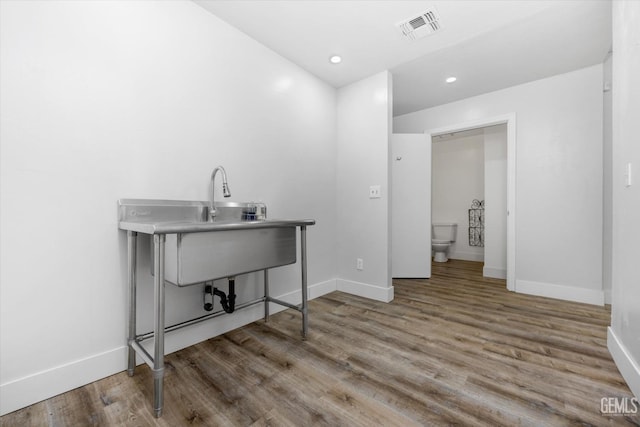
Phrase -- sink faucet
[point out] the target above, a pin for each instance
(225, 189)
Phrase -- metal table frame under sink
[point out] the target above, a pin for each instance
(156, 362)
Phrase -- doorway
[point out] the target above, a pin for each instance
(509, 121)
(411, 226)
(469, 189)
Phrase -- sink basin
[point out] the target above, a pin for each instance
(192, 258)
(240, 239)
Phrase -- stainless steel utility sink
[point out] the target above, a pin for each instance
(192, 245)
(239, 240)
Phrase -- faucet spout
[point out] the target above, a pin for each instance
(225, 189)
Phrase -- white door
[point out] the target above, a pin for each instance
(411, 205)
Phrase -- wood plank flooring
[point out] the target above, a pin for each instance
(456, 349)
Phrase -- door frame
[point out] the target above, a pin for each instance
(510, 121)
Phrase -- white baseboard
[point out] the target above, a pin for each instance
(365, 290)
(607, 296)
(467, 256)
(42, 385)
(494, 272)
(628, 367)
(45, 384)
(322, 288)
(563, 292)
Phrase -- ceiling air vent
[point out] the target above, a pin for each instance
(421, 26)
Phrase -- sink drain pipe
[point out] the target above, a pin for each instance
(228, 302)
(208, 298)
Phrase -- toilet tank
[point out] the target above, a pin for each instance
(444, 231)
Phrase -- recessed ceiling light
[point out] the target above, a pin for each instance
(335, 59)
(451, 79)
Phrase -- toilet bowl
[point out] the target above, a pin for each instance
(443, 234)
(440, 248)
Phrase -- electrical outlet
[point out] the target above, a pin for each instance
(374, 192)
(359, 264)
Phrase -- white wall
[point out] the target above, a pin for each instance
(495, 201)
(624, 333)
(558, 177)
(142, 99)
(363, 224)
(607, 185)
(457, 179)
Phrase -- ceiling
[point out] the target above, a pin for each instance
(487, 45)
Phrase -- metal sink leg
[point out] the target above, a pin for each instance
(157, 363)
(158, 326)
(303, 267)
(266, 295)
(132, 240)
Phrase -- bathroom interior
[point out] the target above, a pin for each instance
(468, 197)
(103, 101)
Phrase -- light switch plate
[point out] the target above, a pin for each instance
(374, 192)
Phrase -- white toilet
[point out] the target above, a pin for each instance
(443, 234)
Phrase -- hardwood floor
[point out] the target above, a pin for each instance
(456, 349)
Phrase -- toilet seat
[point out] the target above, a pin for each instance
(440, 241)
